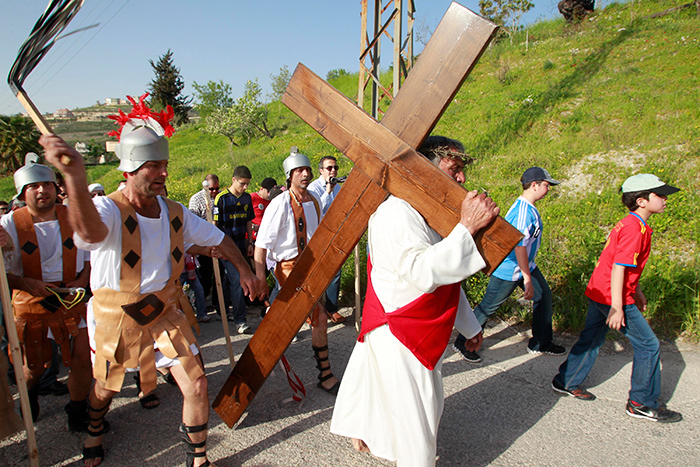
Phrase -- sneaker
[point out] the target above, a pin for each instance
(578, 393)
(549, 349)
(203, 319)
(468, 355)
(662, 414)
(244, 329)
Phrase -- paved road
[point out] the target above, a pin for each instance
(499, 412)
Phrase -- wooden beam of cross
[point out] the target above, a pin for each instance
(385, 162)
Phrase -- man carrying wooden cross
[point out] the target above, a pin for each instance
(289, 222)
(138, 240)
(391, 398)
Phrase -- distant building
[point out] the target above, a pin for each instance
(115, 101)
(63, 113)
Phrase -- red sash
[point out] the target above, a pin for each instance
(424, 326)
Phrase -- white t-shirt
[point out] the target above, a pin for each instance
(155, 245)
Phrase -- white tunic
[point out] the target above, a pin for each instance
(387, 397)
(277, 232)
(155, 251)
(48, 236)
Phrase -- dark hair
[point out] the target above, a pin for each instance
(436, 147)
(242, 172)
(326, 158)
(268, 183)
(630, 199)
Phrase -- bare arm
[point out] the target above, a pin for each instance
(259, 258)
(34, 287)
(252, 286)
(83, 278)
(616, 317)
(524, 265)
(83, 216)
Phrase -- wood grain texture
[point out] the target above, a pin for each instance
(385, 160)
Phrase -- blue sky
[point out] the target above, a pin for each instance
(233, 41)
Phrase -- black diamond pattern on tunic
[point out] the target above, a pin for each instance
(177, 254)
(176, 223)
(300, 224)
(69, 243)
(29, 248)
(131, 259)
(131, 224)
(302, 245)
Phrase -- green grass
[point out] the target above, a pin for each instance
(593, 103)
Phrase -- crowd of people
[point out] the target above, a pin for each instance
(97, 286)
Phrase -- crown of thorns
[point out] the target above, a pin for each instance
(451, 153)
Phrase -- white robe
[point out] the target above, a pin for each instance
(387, 397)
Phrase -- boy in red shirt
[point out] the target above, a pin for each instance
(615, 301)
(260, 201)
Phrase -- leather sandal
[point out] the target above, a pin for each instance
(147, 402)
(190, 445)
(336, 317)
(333, 390)
(97, 427)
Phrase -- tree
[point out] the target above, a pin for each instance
(246, 118)
(167, 87)
(279, 83)
(252, 110)
(212, 96)
(505, 13)
(18, 136)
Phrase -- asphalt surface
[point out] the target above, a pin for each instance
(499, 412)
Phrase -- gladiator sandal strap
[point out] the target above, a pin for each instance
(190, 445)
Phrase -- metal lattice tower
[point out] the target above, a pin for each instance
(379, 22)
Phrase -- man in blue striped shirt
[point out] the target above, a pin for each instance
(520, 270)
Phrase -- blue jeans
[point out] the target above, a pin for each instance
(200, 302)
(332, 293)
(237, 300)
(498, 292)
(646, 366)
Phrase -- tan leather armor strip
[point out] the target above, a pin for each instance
(26, 236)
(130, 266)
(177, 258)
(123, 343)
(69, 250)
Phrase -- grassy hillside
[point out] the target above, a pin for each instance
(593, 103)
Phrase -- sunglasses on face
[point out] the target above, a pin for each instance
(331, 167)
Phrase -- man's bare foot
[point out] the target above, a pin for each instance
(329, 383)
(359, 445)
(92, 442)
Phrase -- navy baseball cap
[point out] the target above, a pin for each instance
(537, 174)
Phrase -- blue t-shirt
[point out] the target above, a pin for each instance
(522, 215)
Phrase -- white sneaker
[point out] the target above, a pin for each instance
(244, 329)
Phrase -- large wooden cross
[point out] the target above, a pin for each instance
(385, 162)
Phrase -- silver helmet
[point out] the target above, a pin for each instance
(32, 172)
(294, 161)
(142, 140)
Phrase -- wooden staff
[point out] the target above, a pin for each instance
(36, 116)
(219, 290)
(17, 362)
